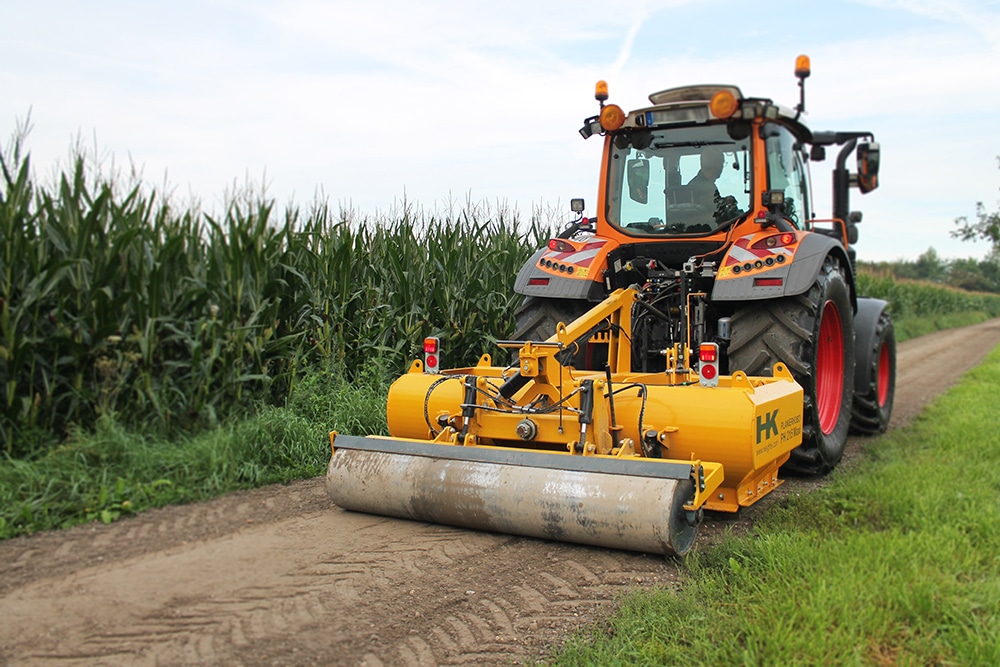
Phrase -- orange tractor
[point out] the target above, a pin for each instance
(706, 203)
(702, 332)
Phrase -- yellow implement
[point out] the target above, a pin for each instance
(617, 459)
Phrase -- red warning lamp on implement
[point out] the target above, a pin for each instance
(432, 355)
(708, 364)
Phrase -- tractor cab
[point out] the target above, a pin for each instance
(706, 158)
(698, 162)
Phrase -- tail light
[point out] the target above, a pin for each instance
(432, 355)
(708, 364)
(775, 241)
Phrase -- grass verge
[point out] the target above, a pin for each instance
(914, 327)
(114, 471)
(895, 563)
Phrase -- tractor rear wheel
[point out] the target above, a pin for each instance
(873, 408)
(813, 335)
(538, 317)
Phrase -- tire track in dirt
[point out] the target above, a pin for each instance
(279, 576)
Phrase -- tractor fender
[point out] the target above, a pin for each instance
(798, 276)
(528, 271)
(813, 250)
(865, 321)
(533, 281)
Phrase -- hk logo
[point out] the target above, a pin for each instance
(767, 426)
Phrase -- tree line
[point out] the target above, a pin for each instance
(976, 275)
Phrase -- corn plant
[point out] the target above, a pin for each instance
(113, 301)
(909, 298)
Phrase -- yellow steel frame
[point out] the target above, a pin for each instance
(715, 423)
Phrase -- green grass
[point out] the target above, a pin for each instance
(896, 562)
(914, 327)
(111, 471)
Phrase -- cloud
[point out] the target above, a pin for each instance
(976, 17)
(626, 48)
(367, 101)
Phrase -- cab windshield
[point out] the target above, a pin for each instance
(678, 181)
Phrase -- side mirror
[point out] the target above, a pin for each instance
(853, 220)
(637, 172)
(852, 233)
(868, 159)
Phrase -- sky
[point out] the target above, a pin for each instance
(439, 103)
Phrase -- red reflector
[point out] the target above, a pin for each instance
(431, 345)
(431, 361)
(708, 352)
(768, 282)
(708, 372)
(538, 281)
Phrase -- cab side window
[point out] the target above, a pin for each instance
(786, 171)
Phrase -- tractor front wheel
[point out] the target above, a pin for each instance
(873, 408)
(813, 335)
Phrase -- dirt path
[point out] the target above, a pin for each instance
(279, 576)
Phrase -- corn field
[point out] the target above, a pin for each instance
(917, 299)
(115, 302)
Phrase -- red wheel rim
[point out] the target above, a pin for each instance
(830, 368)
(883, 375)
